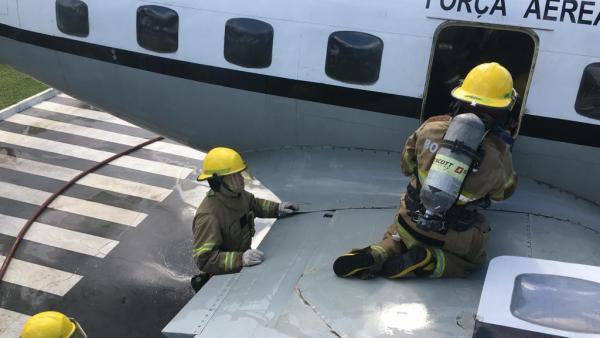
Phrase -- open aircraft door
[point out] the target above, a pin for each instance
(460, 46)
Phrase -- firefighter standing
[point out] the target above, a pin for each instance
(224, 223)
(452, 243)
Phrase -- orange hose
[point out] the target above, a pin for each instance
(60, 191)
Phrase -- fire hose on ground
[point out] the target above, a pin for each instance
(41, 208)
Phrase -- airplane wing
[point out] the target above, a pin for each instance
(295, 293)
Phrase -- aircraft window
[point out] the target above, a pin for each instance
(72, 17)
(354, 57)
(588, 98)
(158, 28)
(248, 43)
(558, 302)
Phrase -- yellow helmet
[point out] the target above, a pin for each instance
(221, 161)
(49, 324)
(488, 85)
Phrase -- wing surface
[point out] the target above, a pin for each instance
(294, 293)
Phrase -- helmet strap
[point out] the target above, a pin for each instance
(215, 183)
(515, 96)
(79, 333)
(504, 135)
(456, 108)
(489, 116)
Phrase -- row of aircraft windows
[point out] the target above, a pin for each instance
(352, 57)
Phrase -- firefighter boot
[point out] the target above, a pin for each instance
(417, 260)
(357, 262)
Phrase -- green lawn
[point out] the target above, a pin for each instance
(15, 86)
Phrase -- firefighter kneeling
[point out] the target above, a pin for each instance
(456, 164)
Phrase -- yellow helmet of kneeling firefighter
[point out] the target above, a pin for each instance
(49, 324)
(221, 161)
(488, 85)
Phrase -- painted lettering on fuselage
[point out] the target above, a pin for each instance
(578, 12)
(480, 7)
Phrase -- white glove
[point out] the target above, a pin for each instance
(252, 257)
(287, 208)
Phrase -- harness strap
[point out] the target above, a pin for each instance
(417, 235)
(460, 147)
(458, 218)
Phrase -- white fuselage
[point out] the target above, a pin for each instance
(165, 91)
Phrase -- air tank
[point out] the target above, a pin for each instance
(449, 169)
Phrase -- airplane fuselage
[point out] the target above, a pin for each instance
(191, 90)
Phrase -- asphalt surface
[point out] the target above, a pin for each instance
(115, 251)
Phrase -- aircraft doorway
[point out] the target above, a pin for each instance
(458, 47)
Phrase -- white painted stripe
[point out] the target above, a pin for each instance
(73, 205)
(91, 180)
(40, 277)
(94, 155)
(11, 323)
(73, 129)
(177, 149)
(103, 135)
(80, 112)
(58, 237)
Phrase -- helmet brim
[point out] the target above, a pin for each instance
(204, 177)
(465, 96)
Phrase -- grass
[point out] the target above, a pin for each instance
(15, 86)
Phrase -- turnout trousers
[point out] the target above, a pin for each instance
(456, 253)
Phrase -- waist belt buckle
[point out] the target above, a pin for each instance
(462, 222)
(428, 222)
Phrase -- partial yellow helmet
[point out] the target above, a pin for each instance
(221, 161)
(488, 85)
(49, 324)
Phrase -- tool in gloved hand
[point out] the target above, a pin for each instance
(287, 208)
(252, 257)
(199, 280)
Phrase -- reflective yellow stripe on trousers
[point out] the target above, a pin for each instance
(440, 263)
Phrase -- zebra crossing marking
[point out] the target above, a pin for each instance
(94, 155)
(176, 149)
(58, 237)
(91, 180)
(55, 281)
(38, 277)
(103, 135)
(73, 205)
(81, 112)
(11, 323)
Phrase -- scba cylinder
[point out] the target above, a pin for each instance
(450, 167)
